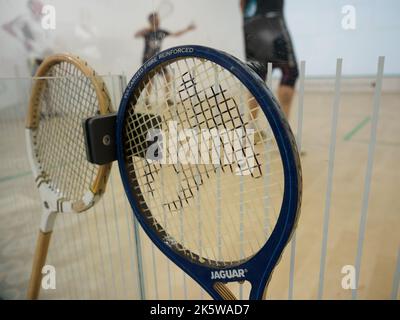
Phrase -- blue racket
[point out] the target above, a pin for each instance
(210, 167)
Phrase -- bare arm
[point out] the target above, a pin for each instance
(183, 31)
(242, 4)
(141, 33)
(9, 27)
(14, 29)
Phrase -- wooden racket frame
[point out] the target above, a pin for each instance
(52, 203)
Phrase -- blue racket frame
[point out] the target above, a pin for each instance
(259, 267)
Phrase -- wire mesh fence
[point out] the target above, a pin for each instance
(350, 214)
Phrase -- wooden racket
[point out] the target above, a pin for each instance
(65, 91)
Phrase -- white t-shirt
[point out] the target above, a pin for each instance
(38, 41)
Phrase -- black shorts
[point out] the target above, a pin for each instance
(267, 39)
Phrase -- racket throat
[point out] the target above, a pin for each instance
(223, 291)
(47, 220)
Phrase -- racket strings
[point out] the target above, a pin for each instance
(219, 219)
(235, 193)
(231, 108)
(234, 120)
(185, 82)
(151, 169)
(229, 79)
(187, 192)
(209, 119)
(67, 98)
(164, 9)
(175, 229)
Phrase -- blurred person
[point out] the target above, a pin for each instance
(27, 29)
(267, 39)
(153, 36)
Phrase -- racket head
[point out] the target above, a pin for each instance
(209, 271)
(65, 91)
(165, 9)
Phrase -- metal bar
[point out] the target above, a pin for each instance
(329, 185)
(298, 140)
(368, 175)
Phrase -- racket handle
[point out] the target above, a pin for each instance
(39, 259)
(223, 291)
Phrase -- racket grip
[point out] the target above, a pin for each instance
(223, 291)
(39, 259)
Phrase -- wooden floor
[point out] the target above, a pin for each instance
(103, 263)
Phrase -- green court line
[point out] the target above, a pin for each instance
(380, 143)
(15, 176)
(357, 128)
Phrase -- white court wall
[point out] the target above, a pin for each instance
(112, 47)
(319, 38)
(315, 25)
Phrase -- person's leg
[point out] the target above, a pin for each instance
(285, 97)
(259, 134)
(286, 88)
(168, 83)
(285, 54)
(261, 71)
(149, 90)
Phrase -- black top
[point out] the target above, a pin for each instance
(262, 7)
(153, 40)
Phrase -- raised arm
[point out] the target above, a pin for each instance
(183, 31)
